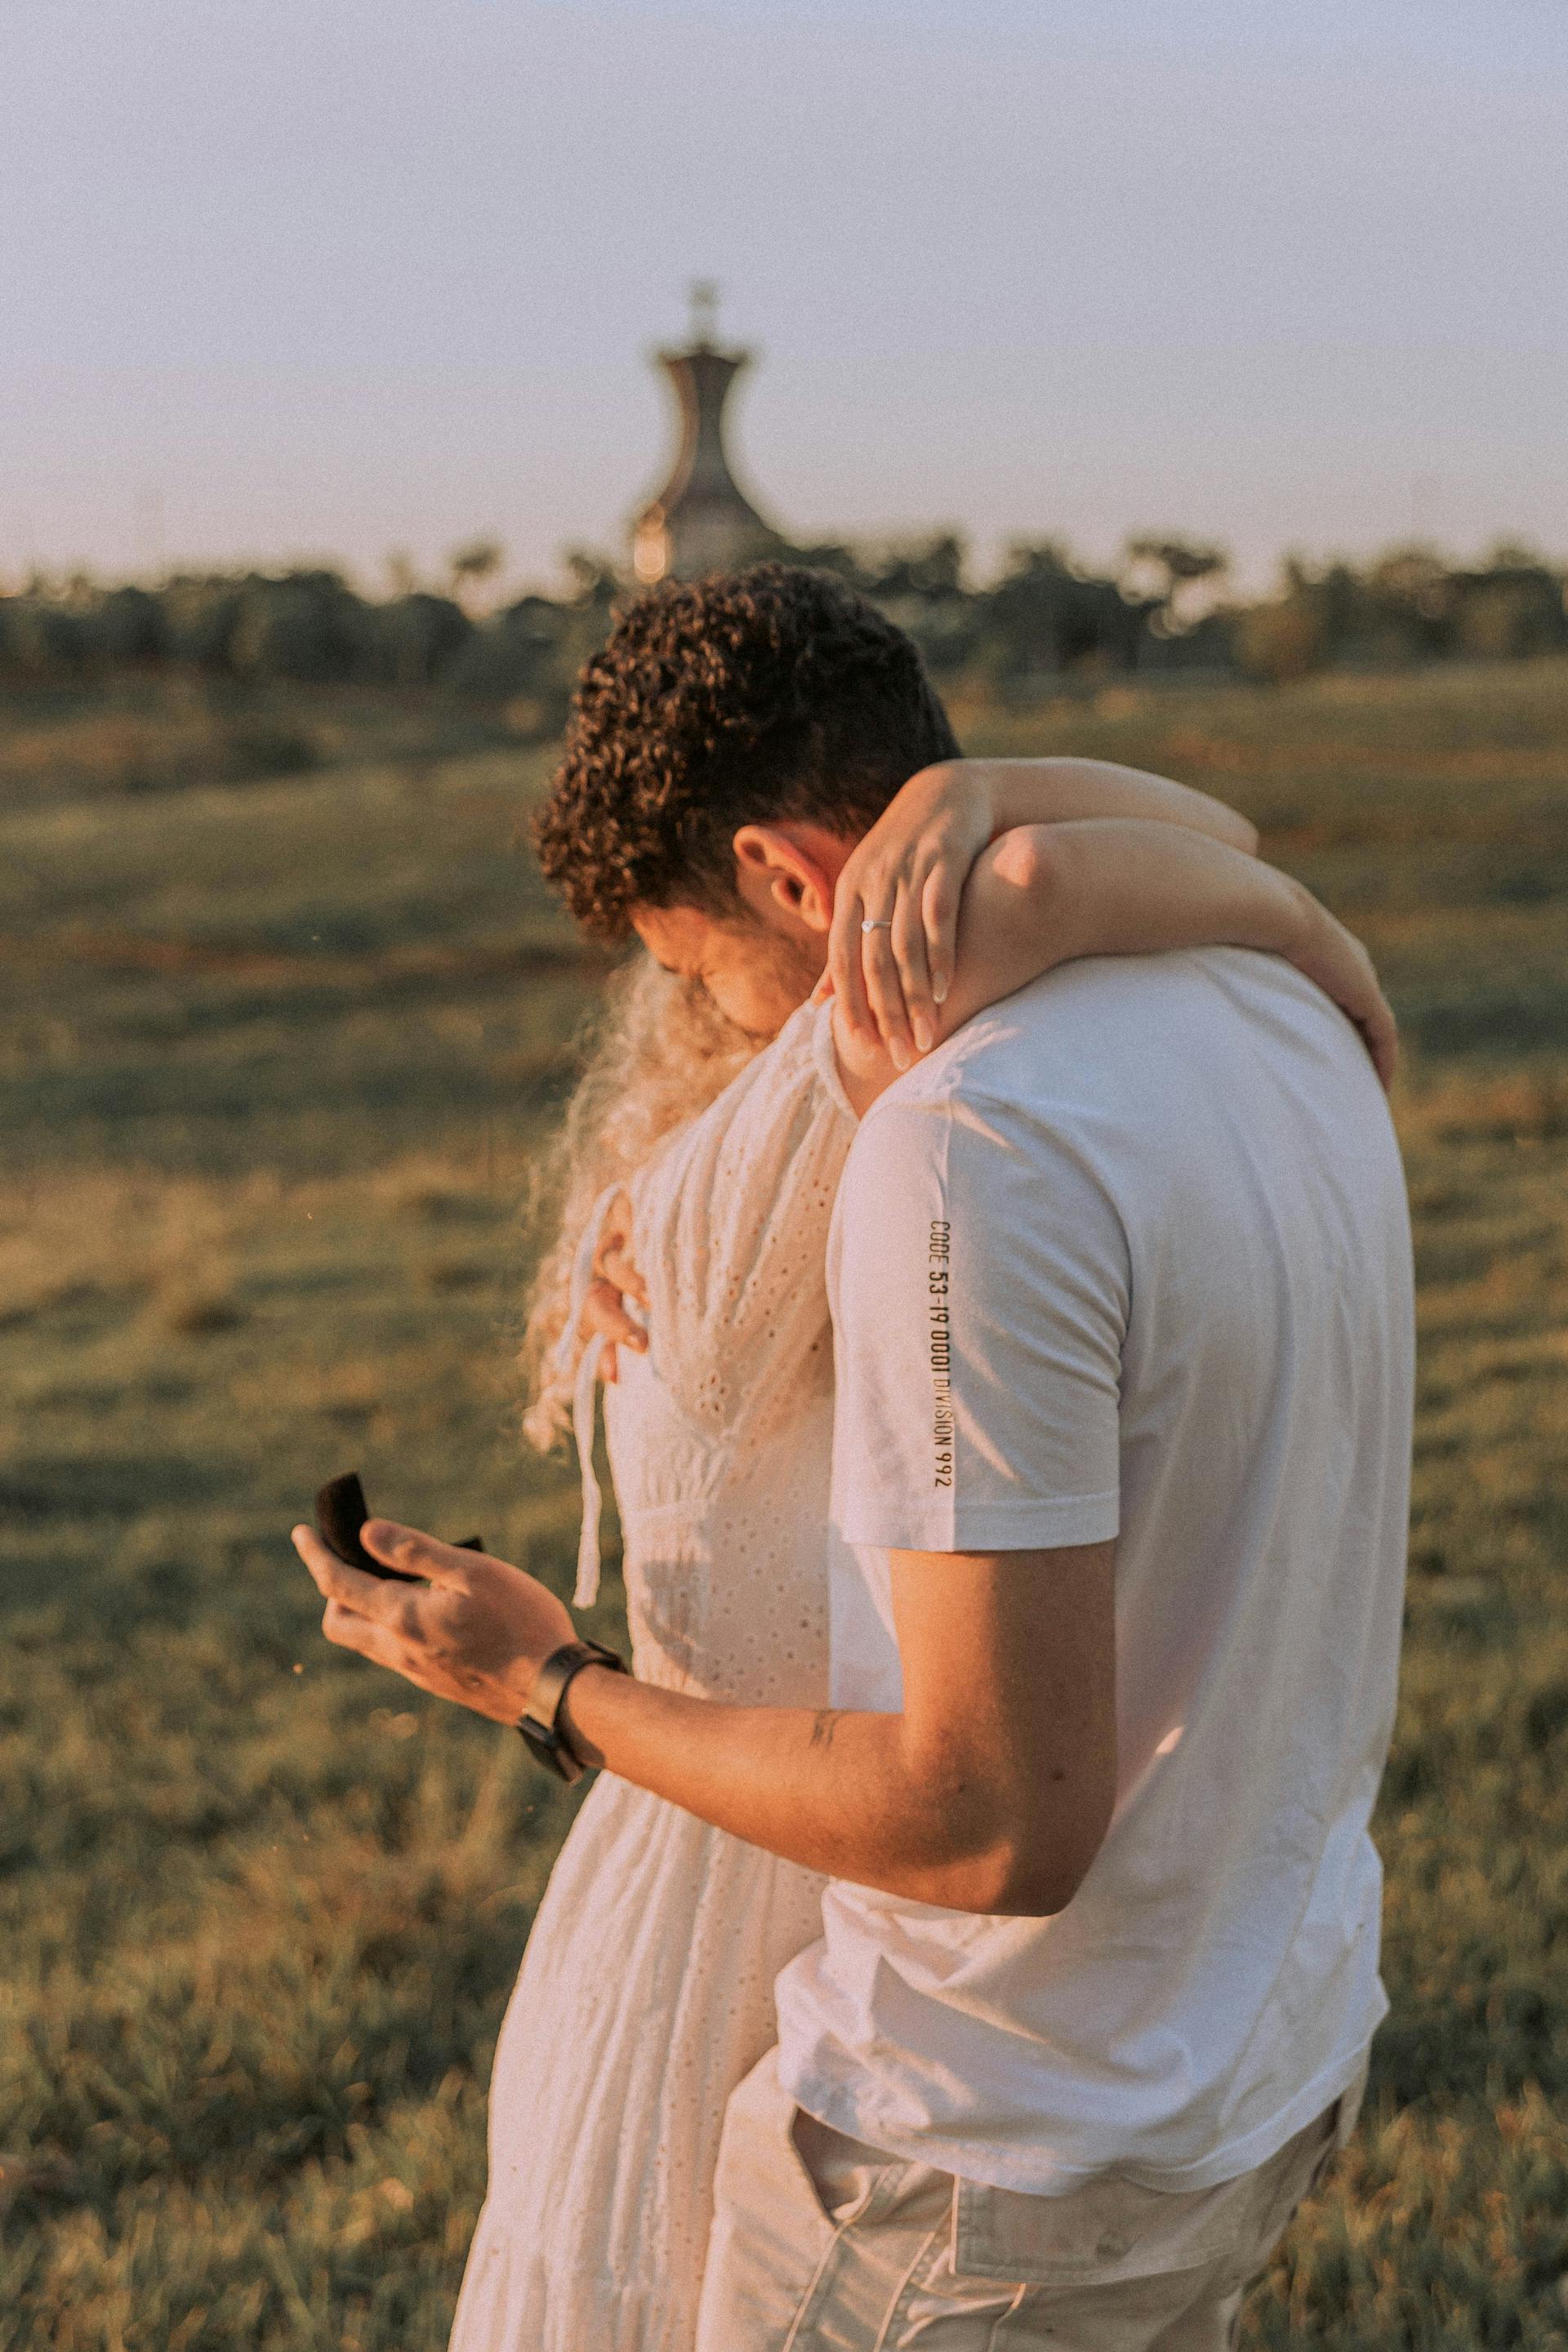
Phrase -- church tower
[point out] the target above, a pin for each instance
(699, 521)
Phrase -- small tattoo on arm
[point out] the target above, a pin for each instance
(824, 1724)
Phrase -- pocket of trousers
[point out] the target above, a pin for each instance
(1113, 2229)
(850, 2181)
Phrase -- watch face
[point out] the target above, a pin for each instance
(550, 1750)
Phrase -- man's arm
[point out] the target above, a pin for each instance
(989, 1793)
(981, 1286)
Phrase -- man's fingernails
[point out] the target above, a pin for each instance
(922, 1029)
(939, 991)
(899, 1052)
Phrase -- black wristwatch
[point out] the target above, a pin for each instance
(537, 1722)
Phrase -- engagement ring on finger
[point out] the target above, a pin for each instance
(878, 923)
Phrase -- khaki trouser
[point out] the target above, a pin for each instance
(822, 2244)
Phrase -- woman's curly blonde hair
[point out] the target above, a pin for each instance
(659, 1054)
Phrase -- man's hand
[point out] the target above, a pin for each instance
(476, 1631)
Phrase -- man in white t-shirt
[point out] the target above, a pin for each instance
(1120, 1283)
(1126, 1262)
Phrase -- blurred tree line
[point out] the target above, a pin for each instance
(1043, 623)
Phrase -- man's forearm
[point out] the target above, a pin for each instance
(835, 1792)
(990, 1791)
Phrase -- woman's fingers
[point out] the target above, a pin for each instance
(1368, 1007)
(909, 941)
(616, 1278)
(618, 1268)
(604, 1317)
(1339, 965)
(885, 995)
(615, 1236)
(844, 959)
(1382, 1034)
(892, 977)
(939, 908)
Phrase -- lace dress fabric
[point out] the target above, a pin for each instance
(646, 1991)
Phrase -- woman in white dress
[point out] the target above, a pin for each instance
(646, 1991)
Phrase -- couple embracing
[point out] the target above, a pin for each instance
(971, 1938)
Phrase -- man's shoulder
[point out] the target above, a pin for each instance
(1122, 1050)
(1023, 1070)
(1049, 1039)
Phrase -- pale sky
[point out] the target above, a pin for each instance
(332, 277)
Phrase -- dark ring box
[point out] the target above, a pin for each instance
(340, 1513)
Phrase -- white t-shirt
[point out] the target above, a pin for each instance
(1130, 1256)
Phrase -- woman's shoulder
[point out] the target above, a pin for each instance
(801, 1062)
(787, 1094)
(730, 1232)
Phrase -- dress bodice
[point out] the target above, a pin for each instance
(718, 1437)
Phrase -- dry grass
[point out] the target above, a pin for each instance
(257, 1223)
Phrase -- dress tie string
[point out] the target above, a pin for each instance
(584, 1397)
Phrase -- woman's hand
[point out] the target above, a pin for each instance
(905, 879)
(1342, 967)
(615, 1279)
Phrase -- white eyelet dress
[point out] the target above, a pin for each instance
(646, 1991)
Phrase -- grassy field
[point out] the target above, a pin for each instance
(283, 1013)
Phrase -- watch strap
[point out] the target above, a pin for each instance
(539, 1721)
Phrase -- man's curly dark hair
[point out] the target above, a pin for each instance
(742, 699)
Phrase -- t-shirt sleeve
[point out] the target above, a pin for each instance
(980, 1284)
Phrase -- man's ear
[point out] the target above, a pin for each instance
(790, 870)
